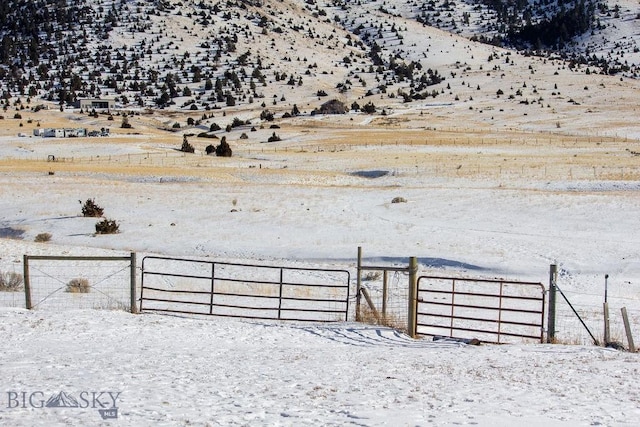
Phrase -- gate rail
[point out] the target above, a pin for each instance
(450, 306)
(246, 291)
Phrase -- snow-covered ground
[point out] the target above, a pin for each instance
(519, 162)
(494, 187)
(170, 371)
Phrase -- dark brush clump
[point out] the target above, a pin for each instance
(91, 209)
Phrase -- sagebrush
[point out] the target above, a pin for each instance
(78, 286)
(91, 209)
(43, 237)
(11, 281)
(107, 226)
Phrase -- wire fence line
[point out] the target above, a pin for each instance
(590, 308)
(391, 305)
(422, 164)
(75, 282)
(56, 294)
(617, 301)
(390, 298)
(99, 284)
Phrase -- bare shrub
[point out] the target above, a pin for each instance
(43, 237)
(389, 320)
(78, 286)
(90, 209)
(111, 305)
(107, 226)
(11, 282)
(372, 275)
(393, 321)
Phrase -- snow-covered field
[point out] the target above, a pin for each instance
(167, 370)
(493, 188)
(518, 163)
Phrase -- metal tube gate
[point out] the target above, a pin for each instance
(496, 311)
(248, 291)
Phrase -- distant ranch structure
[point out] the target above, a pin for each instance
(98, 104)
(60, 133)
(68, 132)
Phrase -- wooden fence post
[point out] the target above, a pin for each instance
(413, 291)
(367, 298)
(27, 282)
(551, 321)
(385, 293)
(627, 328)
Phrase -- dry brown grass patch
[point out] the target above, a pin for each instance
(78, 286)
(43, 237)
(389, 320)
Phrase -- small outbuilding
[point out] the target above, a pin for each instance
(73, 133)
(96, 104)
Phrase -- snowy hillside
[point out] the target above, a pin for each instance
(591, 32)
(348, 124)
(202, 56)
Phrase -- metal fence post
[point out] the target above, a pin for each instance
(358, 284)
(413, 291)
(607, 330)
(213, 289)
(142, 284)
(27, 282)
(134, 306)
(551, 322)
(605, 311)
(280, 295)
